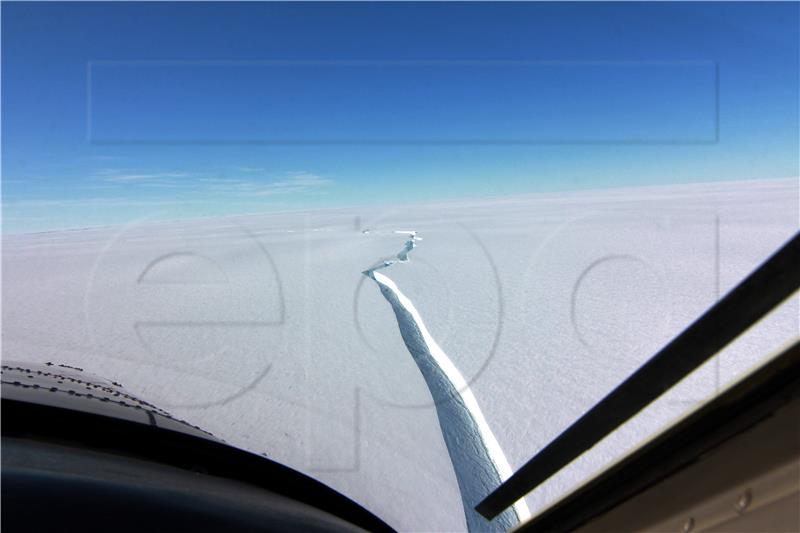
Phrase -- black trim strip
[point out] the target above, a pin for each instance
(761, 395)
(769, 285)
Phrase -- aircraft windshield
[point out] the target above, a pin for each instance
(397, 246)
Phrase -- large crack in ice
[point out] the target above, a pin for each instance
(478, 461)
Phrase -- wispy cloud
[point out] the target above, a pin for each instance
(98, 186)
(294, 182)
(250, 169)
(221, 180)
(26, 179)
(88, 202)
(289, 183)
(112, 171)
(122, 178)
(305, 179)
(162, 184)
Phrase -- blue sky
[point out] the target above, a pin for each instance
(118, 111)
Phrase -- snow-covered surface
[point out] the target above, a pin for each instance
(263, 329)
(478, 460)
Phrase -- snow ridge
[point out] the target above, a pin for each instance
(478, 460)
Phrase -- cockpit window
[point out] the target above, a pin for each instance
(399, 247)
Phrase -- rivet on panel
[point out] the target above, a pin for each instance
(744, 501)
